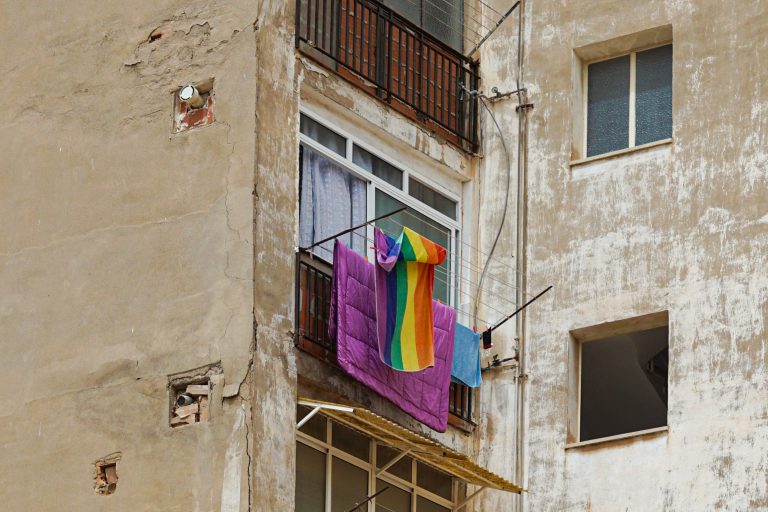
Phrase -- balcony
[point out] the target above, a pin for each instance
(313, 302)
(395, 60)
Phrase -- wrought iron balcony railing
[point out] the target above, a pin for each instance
(313, 303)
(390, 57)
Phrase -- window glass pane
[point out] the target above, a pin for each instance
(445, 20)
(608, 106)
(422, 225)
(433, 480)
(310, 479)
(401, 468)
(653, 119)
(349, 485)
(408, 9)
(624, 383)
(323, 135)
(350, 441)
(394, 498)
(424, 505)
(432, 197)
(377, 167)
(315, 427)
(331, 200)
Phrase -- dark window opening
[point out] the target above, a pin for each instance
(624, 383)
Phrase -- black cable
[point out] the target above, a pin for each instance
(503, 214)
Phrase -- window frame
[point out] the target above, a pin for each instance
(402, 195)
(632, 115)
(580, 336)
(371, 466)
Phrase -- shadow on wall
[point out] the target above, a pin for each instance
(624, 383)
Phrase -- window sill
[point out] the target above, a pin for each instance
(467, 427)
(621, 152)
(603, 440)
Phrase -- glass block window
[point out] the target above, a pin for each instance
(629, 100)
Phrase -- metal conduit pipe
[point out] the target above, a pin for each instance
(521, 259)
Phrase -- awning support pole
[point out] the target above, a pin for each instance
(468, 499)
(393, 461)
(308, 417)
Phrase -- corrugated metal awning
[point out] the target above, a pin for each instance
(416, 445)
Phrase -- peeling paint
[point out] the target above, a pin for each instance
(233, 465)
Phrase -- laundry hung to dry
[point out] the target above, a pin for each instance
(405, 274)
(353, 320)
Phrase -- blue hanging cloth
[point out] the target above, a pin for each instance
(466, 357)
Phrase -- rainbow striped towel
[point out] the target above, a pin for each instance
(405, 272)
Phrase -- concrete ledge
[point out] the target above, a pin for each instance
(620, 152)
(619, 437)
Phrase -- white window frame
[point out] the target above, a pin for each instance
(401, 195)
(330, 451)
(632, 99)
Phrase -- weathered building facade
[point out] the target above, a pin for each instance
(161, 325)
(669, 234)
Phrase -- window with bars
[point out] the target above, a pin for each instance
(628, 100)
(337, 467)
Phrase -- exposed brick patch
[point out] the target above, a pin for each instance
(105, 478)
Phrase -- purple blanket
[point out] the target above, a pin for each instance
(423, 394)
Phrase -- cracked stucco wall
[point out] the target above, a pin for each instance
(125, 253)
(682, 228)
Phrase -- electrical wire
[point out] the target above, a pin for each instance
(442, 276)
(457, 239)
(472, 7)
(503, 213)
(469, 264)
(453, 29)
(446, 281)
(489, 7)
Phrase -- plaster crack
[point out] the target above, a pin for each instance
(250, 458)
(81, 236)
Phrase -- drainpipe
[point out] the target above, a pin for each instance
(521, 282)
(521, 258)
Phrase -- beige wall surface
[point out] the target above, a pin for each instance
(125, 252)
(128, 253)
(683, 228)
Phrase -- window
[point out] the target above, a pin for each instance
(344, 183)
(336, 467)
(621, 376)
(443, 19)
(628, 100)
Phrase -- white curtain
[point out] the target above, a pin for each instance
(332, 200)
